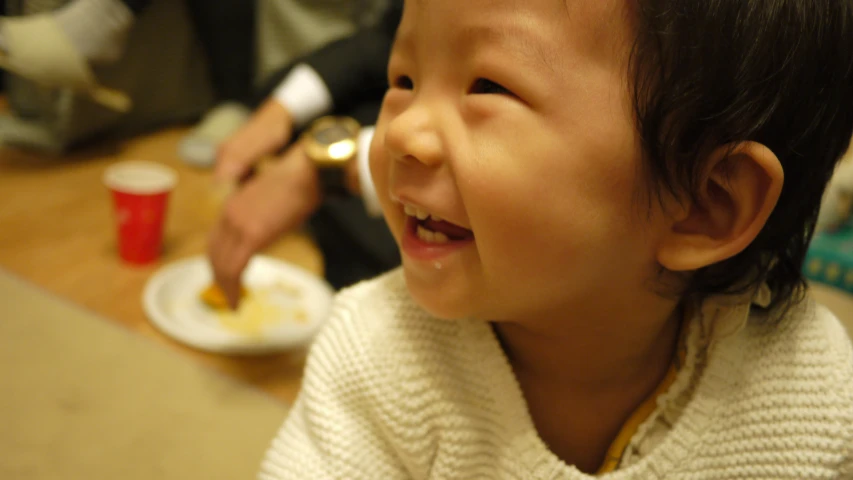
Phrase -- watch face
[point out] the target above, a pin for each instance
(332, 141)
(331, 134)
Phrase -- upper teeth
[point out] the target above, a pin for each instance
(420, 214)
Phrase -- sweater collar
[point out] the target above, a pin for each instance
(722, 316)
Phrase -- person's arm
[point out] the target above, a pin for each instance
(304, 95)
(336, 78)
(276, 201)
(352, 69)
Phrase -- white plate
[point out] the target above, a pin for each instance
(171, 301)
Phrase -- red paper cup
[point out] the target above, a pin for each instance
(140, 193)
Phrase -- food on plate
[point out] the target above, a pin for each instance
(214, 297)
(260, 308)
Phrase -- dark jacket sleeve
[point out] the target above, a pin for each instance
(353, 68)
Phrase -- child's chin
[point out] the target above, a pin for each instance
(439, 304)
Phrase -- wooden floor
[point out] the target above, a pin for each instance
(57, 231)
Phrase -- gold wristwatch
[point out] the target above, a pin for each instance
(331, 143)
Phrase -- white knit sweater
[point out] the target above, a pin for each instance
(390, 392)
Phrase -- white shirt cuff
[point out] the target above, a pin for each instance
(368, 190)
(304, 94)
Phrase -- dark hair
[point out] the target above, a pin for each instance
(708, 73)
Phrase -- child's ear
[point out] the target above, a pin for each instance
(737, 194)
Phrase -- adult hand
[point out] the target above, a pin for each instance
(268, 130)
(277, 200)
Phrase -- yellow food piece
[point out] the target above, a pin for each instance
(262, 309)
(214, 297)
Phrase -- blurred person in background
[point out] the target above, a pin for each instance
(59, 48)
(345, 78)
(2, 12)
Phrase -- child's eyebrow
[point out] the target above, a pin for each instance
(522, 41)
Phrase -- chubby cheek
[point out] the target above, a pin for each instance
(527, 244)
(564, 236)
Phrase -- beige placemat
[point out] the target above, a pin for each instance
(82, 398)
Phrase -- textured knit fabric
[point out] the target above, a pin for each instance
(391, 392)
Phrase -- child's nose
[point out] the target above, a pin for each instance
(412, 136)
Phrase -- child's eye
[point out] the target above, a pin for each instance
(483, 86)
(403, 81)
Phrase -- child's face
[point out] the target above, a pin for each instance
(513, 120)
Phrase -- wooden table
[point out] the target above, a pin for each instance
(57, 231)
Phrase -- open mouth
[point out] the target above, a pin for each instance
(433, 229)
